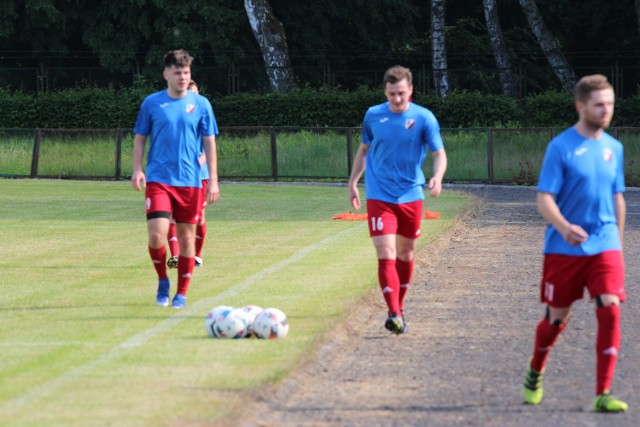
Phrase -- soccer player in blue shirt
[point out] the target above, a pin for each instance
(580, 195)
(178, 123)
(396, 137)
(201, 227)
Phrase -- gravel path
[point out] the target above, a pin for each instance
(472, 313)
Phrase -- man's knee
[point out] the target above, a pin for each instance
(606, 300)
(557, 319)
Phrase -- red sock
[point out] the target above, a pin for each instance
(607, 345)
(185, 270)
(201, 233)
(546, 335)
(405, 271)
(159, 259)
(174, 247)
(389, 283)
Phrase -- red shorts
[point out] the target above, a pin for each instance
(184, 204)
(205, 185)
(390, 218)
(564, 277)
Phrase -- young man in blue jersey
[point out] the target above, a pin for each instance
(396, 137)
(178, 123)
(201, 227)
(580, 195)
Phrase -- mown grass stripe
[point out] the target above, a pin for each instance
(41, 391)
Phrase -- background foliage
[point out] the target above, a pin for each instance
(130, 36)
(113, 108)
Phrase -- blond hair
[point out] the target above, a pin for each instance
(588, 84)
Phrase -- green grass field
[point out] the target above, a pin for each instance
(84, 344)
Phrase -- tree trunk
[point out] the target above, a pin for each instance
(549, 46)
(439, 49)
(499, 47)
(269, 34)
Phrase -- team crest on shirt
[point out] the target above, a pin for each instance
(607, 154)
(190, 108)
(409, 123)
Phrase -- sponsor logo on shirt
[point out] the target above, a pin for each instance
(580, 151)
(384, 119)
(607, 154)
(409, 123)
(190, 108)
(164, 104)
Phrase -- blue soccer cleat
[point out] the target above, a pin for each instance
(179, 301)
(162, 297)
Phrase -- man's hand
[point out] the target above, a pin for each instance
(435, 187)
(574, 235)
(354, 197)
(213, 192)
(138, 180)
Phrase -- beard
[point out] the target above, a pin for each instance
(596, 123)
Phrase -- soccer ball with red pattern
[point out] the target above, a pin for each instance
(271, 323)
(235, 324)
(252, 312)
(213, 317)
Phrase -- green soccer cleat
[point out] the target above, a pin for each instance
(395, 324)
(172, 262)
(607, 403)
(532, 389)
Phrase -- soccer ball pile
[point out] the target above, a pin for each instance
(243, 322)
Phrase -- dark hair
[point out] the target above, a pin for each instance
(588, 84)
(179, 58)
(395, 74)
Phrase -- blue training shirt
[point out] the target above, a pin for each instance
(175, 128)
(584, 174)
(398, 144)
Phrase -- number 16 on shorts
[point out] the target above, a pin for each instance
(376, 223)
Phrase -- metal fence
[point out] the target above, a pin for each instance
(222, 81)
(484, 155)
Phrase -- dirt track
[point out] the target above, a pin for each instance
(472, 312)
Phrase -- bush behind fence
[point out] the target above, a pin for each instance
(484, 155)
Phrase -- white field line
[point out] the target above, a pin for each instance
(42, 390)
(47, 344)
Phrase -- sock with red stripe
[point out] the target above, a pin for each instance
(172, 237)
(159, 259)
(201, 233)
(389, 284)
(405, 272)
(546, 335)
(185, 271)
(607, 345)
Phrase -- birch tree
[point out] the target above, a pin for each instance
(549, 46)
(438, 48)
(499, 47)
(270, 35)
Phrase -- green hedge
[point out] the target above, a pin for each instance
(109, 108)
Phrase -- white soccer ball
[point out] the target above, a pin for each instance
(235, 324)
(271, 323)
(213, 316)
(252, 312)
